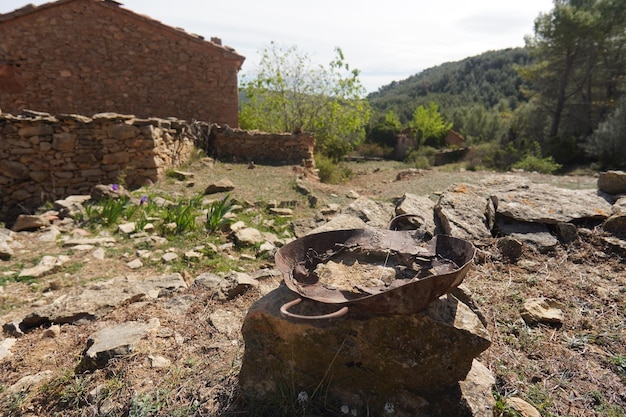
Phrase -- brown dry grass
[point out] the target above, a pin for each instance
(578, 369)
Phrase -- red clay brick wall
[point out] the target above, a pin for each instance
(89, 56)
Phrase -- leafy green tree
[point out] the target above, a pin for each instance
(478, 124)
(288, 93)
(579, 51)
(608, 143)
(429, 126)
(384, 132)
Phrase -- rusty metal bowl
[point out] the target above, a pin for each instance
(450, 258)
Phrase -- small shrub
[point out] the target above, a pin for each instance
(532, 163)
(502, 408)
(147, 404)
(422, 158)
(618, 363)
(481, 156)
(331, 172)
(74, 395)
(375, 150)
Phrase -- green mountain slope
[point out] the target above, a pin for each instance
(485, 79)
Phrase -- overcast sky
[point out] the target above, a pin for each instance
(387, 42)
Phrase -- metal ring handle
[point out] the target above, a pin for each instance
(285, 313)
(399, 217)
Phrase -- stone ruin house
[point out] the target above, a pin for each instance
(94, 56)
(454, 140)
(405, 141)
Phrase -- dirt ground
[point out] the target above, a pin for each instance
(576, 369)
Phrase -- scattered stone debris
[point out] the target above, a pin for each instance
(542, 310)
(522, 407)
(114, 342)
(220, 186)
(510, 214)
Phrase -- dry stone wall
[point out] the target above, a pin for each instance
(245, 146)
(43, 157)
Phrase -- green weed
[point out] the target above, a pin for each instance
(106, 212)
(502, 409)
(541, 399)
(74, 395)
(216, 217)
(603, 407)
(148, 404)
(181, 215)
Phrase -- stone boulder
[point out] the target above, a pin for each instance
(464, 211)
(375, 214)
(410, 364)
(220, 186)
(27, 222)
(420, 205)
(113, 191)
(616, 223)
(612, 182)
(542, 310)
(114, 342)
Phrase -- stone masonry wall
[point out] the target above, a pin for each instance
(244, 146)
(43, 157)
(92, 56)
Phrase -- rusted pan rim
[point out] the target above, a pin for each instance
(404, 299)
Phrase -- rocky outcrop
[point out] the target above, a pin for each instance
(612, 182)
(409, 363)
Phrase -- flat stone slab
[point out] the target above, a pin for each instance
(220, 186)
(375, 214)
(98, 299)
(542, 203)
(536, 234)
(114, 342)
(340, 222)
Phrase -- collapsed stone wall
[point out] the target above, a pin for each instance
(43, 157)
(245, 146)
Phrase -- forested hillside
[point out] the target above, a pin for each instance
(487, 79)
(557, 103)
(560, 102)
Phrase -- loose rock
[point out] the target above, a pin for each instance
(542, 310)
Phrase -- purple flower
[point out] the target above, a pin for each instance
(115, 187)
(144, 200)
